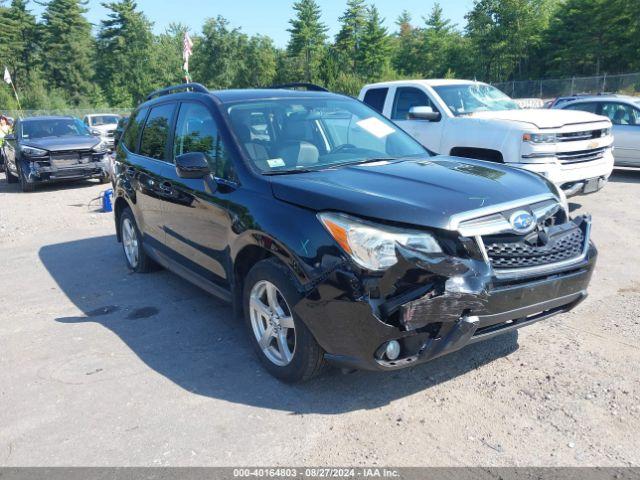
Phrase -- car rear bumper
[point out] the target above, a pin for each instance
(354, 333)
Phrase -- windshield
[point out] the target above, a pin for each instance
(475, 97)
(300, 134)
(63, 127)
(99, 120)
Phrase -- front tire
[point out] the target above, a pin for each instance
(25, 186)
(8, 174)
(283, 343)
(137, 259)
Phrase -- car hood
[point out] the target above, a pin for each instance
(424, 192)
(542, 118)
(56, 144)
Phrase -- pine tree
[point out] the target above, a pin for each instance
(406, 46)
(308, 35)
(69, 49)
(19, 42)
(438, 40)
(349, 38)
(375, 47)
(124, 51)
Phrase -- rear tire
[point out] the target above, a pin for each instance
(282, 341)
(137, 259)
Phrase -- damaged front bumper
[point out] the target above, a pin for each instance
(45, 172)
(434, 306)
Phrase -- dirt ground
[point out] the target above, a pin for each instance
(102, 367)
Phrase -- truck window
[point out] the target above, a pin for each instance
(407, 97)
(375, 98)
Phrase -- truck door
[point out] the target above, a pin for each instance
(428, 133)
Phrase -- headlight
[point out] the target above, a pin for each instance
(33, 151)
(605, 132)
(100, 148)
(373, 246)
(540, 138)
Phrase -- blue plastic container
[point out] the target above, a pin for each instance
(107, 206)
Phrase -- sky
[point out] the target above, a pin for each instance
(268, 17)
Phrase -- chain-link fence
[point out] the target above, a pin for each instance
(628, 83)
(72, 112)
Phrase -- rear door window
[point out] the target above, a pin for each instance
(155, 135)
(130, 137)
(621, 113)
(375, 98)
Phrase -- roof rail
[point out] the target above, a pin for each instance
(311, 87)
(185, 87)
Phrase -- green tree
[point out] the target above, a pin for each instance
(594, 36)
(375, 47)
(124, 51)
(438, 41)
(406, 46)
(19, 42)
(166, 64)
(260, 63)
(69, 47)
(348, 41)
(503, 34)
(308, 35)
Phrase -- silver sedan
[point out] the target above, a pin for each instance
(624, 113)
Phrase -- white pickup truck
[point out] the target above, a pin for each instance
(573, 149)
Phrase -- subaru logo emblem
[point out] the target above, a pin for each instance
(522, 222)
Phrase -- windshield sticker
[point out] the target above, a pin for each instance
(275, 162)
(376, 127)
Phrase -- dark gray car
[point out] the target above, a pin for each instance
(50, 149)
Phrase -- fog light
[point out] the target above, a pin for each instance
(393, 350)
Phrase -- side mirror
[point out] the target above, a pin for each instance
(424, 113)
(192, 165)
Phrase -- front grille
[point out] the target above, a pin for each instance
(517, 252)
(578, 136)
(582, 155)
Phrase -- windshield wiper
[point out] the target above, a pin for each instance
(361, 162)
(289, 172)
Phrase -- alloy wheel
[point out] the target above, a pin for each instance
(130, 242)
(272, 323)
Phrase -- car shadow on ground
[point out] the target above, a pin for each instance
(193, 340)
(6, 187)
(626, 175)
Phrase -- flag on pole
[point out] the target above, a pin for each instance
(7, 76)
(187, 50)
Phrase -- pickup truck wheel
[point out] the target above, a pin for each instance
(24, 185)
(283, 343)
(8, 174)
(137, 259)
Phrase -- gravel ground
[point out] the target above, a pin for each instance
(101, 367)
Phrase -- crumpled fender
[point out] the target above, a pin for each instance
(456, 285)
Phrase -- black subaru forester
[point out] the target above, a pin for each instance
(335, 234)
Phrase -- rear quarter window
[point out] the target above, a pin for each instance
(375, 98)
(130, 137)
